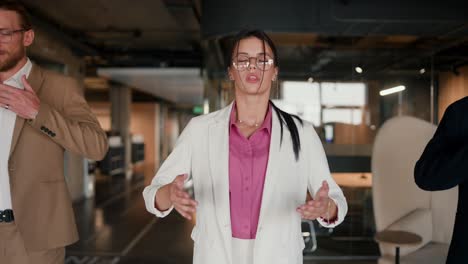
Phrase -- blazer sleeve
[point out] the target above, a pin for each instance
(177, 163)
(444, 162)
(72, 125)
(320, 171)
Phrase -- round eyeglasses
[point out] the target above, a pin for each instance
(242, 62)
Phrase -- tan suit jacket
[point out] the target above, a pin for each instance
(41, 202)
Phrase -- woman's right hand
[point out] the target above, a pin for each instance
(180, 198)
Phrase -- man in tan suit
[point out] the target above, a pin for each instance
(41, 114)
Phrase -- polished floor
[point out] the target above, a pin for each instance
(115, 228)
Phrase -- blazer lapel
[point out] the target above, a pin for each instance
(274, 163)
(35, 79)
(219, 165)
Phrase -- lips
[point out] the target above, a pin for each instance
(252, 78)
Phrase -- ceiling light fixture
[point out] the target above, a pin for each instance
(392, 90)
(358, 69)
(310, 79)
(422, 71)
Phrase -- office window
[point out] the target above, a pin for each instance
(343, 94)
(325, 102)
(342, 115)
(302, 99)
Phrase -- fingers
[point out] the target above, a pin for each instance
(309, 212)
(26, 85)
(4, 101)
(313, 208)
(181, 199)
(7, 104)
(10, 98)
(318, 206)
(185, 206)
(179, 181)
(6, 91)
(322, 193)
(25, 103)
(180, 195)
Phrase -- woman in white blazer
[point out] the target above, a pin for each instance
(294, 164)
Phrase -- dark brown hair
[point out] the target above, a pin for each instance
(18, 8)
(284, 118)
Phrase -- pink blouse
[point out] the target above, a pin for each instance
(248, 160)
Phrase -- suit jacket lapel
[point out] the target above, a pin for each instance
(274, 163)
(219, 165)
(35, 79)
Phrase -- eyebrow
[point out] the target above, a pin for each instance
(261, 53)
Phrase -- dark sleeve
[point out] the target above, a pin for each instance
(444, 162)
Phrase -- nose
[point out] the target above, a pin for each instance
(252, 63)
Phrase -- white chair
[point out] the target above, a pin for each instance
(309, 236)
(399, 204)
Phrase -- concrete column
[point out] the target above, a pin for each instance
(163, 144)
(121, 100)
(157, 136)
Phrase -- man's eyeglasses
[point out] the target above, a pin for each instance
(7, 34)
(242, 62)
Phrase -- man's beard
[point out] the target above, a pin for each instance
(11, 60)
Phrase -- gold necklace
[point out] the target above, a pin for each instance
(255, 124)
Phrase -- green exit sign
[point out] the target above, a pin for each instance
(198, 110)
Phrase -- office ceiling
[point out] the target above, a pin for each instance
(320, 39)
(181, 85)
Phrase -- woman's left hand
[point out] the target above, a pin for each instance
(320, 206)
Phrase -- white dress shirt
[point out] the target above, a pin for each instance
(7, 124)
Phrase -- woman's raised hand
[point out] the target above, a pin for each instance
(180, 198)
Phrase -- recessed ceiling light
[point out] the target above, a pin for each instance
(310, 79)
(358, 69)
(422, 71)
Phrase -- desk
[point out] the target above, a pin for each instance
(351, 179)
(397, 239)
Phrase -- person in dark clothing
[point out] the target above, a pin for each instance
(444, 165)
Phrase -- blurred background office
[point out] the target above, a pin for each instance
(347, 66)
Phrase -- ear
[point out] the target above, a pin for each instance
(275, 75)
(28, 38)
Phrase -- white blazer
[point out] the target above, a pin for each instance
(202, 151)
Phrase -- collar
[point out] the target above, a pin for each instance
(15, 80)
(266, 122)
